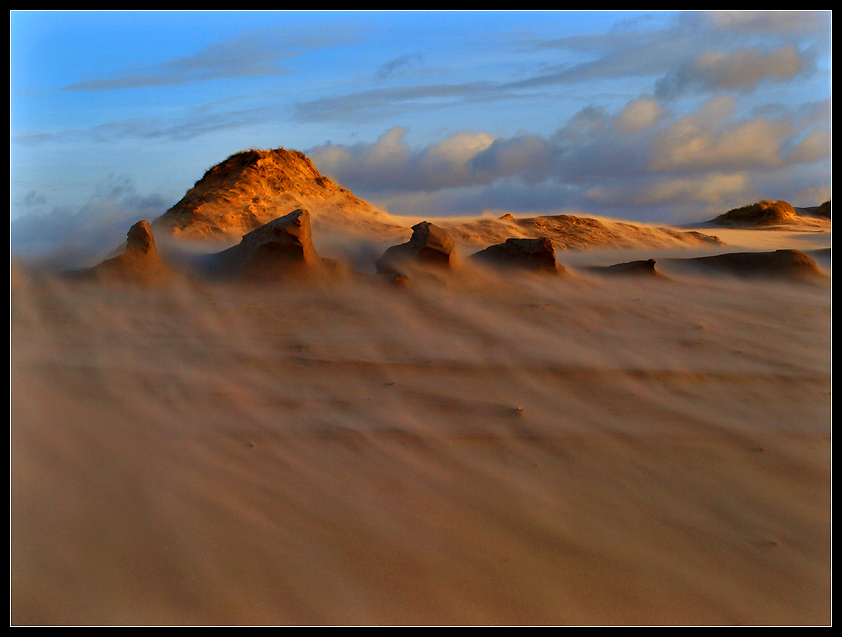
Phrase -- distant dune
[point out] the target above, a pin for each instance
(575, 232)
(771, 214)
(818, 211)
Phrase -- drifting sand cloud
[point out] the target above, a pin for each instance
(638, 432)
(495, 451)
(448, 441)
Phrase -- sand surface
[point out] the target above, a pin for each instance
(482, 450)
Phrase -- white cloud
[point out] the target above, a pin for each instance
(813, 148)
(709, 189)
(741, 70)
(771, 22)
(706, 141)
(390, 165)
(639, 115)
(637, 162)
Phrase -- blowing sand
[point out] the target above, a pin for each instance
(481, 450)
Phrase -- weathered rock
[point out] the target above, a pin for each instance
(780, 264)
(282, 248)
(530, 254)
(632, 268)
(139, 262)
(429, 245)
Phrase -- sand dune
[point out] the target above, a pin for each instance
(472, 449)
(775, 215)
(573, 232)
(253, 187)
(479, 445)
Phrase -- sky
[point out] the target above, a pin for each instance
(663, 117)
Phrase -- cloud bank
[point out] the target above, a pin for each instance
(640, 162)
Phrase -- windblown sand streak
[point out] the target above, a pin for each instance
(571, 451)
(199, 437)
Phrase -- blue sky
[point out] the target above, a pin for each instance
(651, 116)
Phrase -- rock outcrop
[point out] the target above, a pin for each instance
(429, 246)
(781, 264)
(280, 249)
(139, 262)
(537, 255)
(643, 267)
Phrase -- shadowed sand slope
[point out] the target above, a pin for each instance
(789, 265)
(496, 450)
